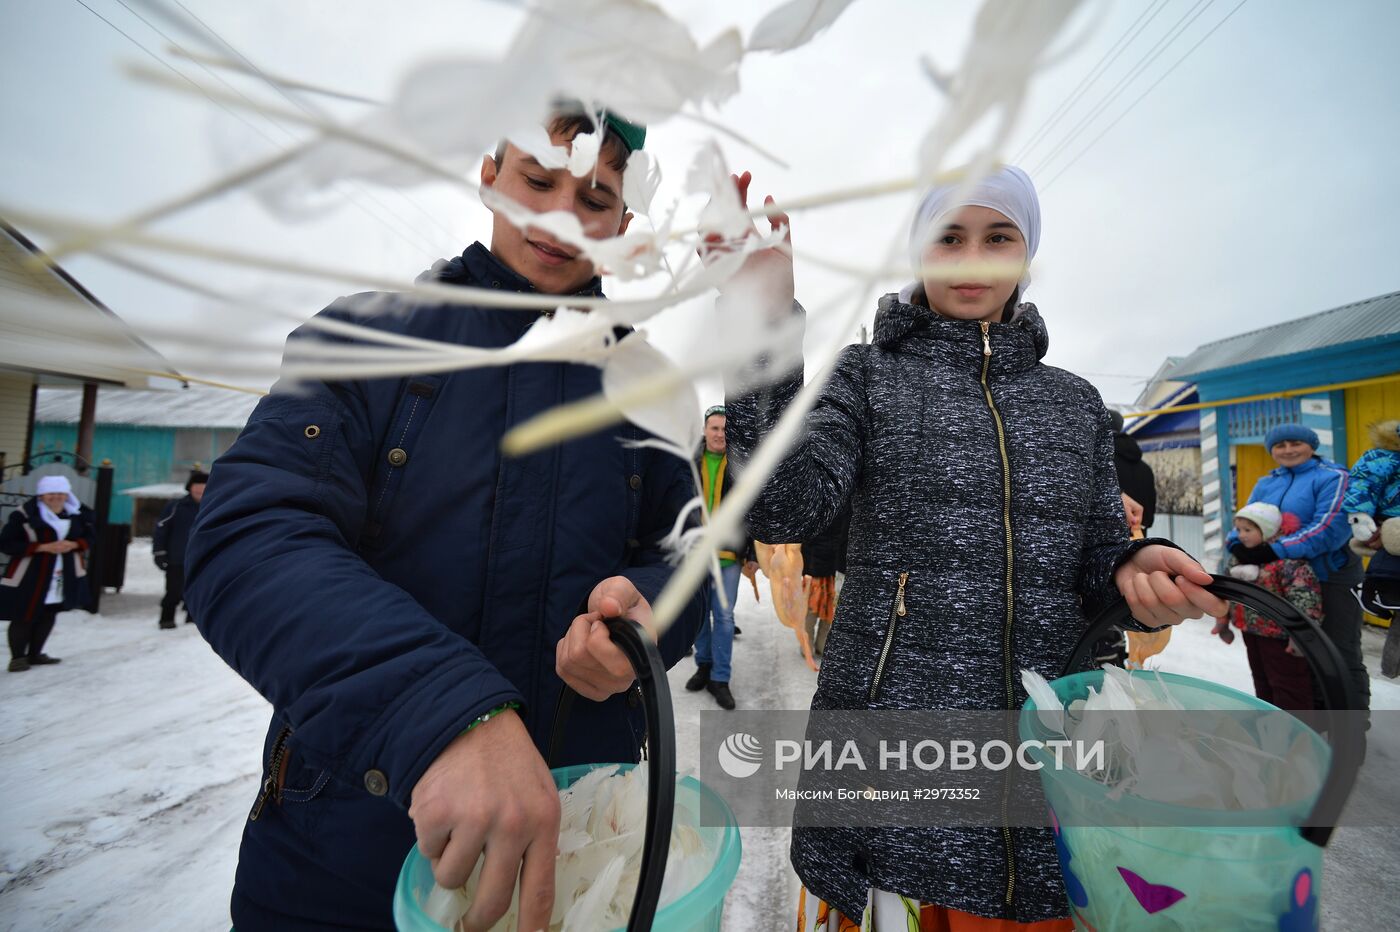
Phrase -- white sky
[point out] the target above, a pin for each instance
(1254, 185)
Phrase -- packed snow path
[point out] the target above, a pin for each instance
(131, 766)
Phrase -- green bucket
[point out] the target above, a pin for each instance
(1131, 863)
(700, 910)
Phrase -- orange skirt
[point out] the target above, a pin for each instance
(821, 599)
(890, 912)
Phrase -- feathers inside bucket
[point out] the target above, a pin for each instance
(1137, 863)
(700, 909)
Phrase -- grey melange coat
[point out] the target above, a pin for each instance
(985, 480)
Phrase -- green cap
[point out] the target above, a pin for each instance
(634, 135)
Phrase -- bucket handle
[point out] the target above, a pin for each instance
(1325, 662)
(646, 661)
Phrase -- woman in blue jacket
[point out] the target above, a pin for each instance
(1314, 489)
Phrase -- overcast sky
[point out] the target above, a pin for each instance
(1254, 185)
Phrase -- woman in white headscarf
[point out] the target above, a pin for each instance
(48, 540)
(986, 528)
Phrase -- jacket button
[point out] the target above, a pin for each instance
(376, 782)
(635, 482)
(398, 456)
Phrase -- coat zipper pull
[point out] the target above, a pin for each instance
(986, 338)
(900, 609)
(274, 769)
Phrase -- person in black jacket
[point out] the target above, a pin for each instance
(823, 557)
(168, 543)
(49, 540)
(1135, 477)
(986, 530)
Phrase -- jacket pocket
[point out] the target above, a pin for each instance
(897, 611)
(284, 780)
(396, 453)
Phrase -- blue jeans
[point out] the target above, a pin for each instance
(715, 642)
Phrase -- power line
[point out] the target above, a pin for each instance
(1138, 100)
(1172, 34)
(1100, 67)
(311, 109)
(416, 243)
(223, 106)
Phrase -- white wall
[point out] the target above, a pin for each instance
(14, 414)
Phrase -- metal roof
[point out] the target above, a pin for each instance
(156, 490)
(52, 326)
(196, 406)
(1350, 323)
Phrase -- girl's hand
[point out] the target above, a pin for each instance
(766, 277)
(1163, 586)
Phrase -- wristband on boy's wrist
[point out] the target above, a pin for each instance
(490, 714)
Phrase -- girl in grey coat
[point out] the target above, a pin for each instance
(987, 526)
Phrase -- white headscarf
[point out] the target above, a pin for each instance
(1007, 190)
(56, 484)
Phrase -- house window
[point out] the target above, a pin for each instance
(194, 446)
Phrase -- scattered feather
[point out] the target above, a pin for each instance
(794, 24)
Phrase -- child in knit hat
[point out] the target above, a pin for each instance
(1281, 675)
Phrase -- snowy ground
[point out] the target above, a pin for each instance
(130, 768)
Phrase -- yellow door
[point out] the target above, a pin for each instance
(1252, 463)
(1365, 406)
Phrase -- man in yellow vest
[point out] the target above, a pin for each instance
(714, 645)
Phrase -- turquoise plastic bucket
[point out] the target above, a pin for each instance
(1228, 870)
(1257, 870)
(699, 910)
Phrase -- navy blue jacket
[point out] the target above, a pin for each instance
(171, 536)
(371, 564)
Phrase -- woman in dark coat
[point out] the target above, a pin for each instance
(49, 540)
(986, 526)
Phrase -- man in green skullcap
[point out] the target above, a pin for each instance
(412, 603)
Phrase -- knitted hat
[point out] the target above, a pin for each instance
(711, 412)
(1267, 517)
(196, 476)
(1291, 432)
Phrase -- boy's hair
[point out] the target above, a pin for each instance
(571, 123)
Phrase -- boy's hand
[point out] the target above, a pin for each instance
(490, 794)
(586, 658)
(1163, 586)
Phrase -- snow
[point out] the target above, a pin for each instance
(131, 766)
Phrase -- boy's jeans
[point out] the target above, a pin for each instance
(715, 642)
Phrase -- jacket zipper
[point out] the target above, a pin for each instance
(897, 611)
(274, 767)
(1007, 658)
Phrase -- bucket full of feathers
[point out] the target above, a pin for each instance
(1208, 808)
(638, 849)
